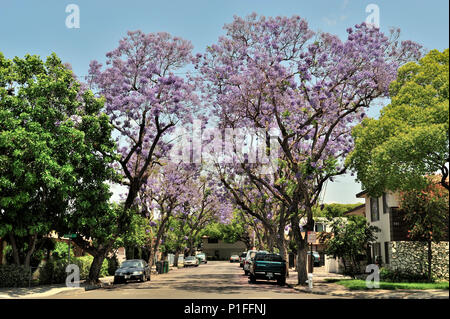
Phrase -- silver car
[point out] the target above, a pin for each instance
(190, 261)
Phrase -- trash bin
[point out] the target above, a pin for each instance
(166, 267)
(159, 267)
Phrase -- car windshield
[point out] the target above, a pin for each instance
(201, 255)
(268, 257)
(131, 264)
(234, 256)
(190, 258)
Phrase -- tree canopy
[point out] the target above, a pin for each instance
(410, 139)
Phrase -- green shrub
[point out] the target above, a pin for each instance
(14, 276)
(390, 275)
(54, 271)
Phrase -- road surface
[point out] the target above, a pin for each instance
(214, 280)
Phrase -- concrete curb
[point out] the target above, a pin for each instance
(367, 295)
(98, 286)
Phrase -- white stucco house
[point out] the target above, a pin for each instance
(392, 248)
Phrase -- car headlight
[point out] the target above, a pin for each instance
(137, 272)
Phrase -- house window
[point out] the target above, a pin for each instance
(319, 227)
(376, 252)
(386, 252)
(374, 213)
(213, 241)
(385, 206)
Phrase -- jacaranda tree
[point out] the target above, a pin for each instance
(275, 73)
(145, 100)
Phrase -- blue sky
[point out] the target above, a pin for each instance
(38, 27)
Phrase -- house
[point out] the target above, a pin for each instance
(220, 250)
(357, 211)
(392, 248)
(321, 225)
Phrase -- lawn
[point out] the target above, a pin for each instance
(356, 284)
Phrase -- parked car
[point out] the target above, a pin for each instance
(132, 269)
(191, 261)
(268, 266)
(316, 257)
(202, 258)
(248, 259)
(242, 258)
(234, 259)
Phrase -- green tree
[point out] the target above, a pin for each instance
(410, 139)
(46, 137)
(333, 210)
(427, 216)
(349, 240)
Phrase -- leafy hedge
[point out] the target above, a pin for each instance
(54, 270)
(390, 275)
(14, 276)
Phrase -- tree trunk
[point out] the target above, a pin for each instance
(151, 261)
(30, 251)
(15, 250)
(302, 248)
(96, 266)
(302, 273)
(153, 252)
(281, 245)
(1, 250)
(175, 260)
(430, 257)
(191, 248)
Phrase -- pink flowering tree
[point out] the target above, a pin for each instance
(276, 73)
(208, 203)
(145, 100)
(163, 197)
(179, 194)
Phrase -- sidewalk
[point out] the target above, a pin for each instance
(51, 290)
(47, 290)
(321, 287)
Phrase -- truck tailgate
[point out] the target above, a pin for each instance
(269, 266)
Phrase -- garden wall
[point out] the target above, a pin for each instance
(411, 256)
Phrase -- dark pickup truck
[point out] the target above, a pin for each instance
(268, 266)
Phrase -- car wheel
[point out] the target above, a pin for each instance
(281, 281)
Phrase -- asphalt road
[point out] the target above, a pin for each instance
(214, 280)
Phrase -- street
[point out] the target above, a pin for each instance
(216, 279)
